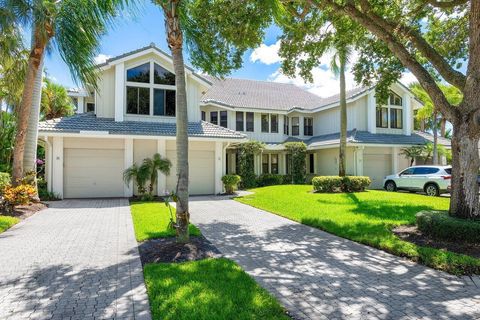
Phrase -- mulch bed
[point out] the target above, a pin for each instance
(25, 211)
(168, 250)
(412, 234)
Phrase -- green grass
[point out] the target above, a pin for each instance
(151, 220)
(7, 222)
(207, 289)
(365, 217)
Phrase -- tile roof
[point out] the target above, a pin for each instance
(89, 122)
(243, 93)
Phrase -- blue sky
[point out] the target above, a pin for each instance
(147, 25)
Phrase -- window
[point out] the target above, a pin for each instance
(223, 119)
(163, 102)
(311, 163)
(274, 123)
(138, 100)
(288, 161)
(204, 116)
(250, 123)
(396, 118)
(295, 126)
(139, 74)
(264, 122)
(162, 76)
(382, 117)
(90, 107)
(424, 170)
(408, 171)
(285, 125)
(274, 163)
(308, 126)
(264, 163)
(239, 121)
(395, 99)
(214, 117)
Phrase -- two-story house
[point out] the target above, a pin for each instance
(131, 116)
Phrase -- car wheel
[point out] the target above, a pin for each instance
(390, 186)
(432, 190)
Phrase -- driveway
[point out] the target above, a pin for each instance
(316, 275)
(76, 260)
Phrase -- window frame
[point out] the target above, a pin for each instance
(297, 126)
(86, 106)
(273, 165)
(307, 129)
(265, 165)
(382, 125)
(223, 122)
(265, 129)
(247, 127)
(238, 122)
(151, 86)
(274, 125)
(203, 115)
(211, 119)
(399, 119)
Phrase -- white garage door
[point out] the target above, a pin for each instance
(377, 166)
(93, 173)
(202, 172)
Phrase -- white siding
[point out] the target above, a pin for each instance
(105, 96)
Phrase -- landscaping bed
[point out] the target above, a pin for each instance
(365, 217)
(20, 212)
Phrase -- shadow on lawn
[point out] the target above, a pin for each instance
(318, 274)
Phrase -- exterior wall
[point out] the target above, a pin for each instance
(327, 162)
(105, 96)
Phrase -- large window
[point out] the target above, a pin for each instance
(239, 121)
(274, 163)
(250, 123)
(308, 126)
(214, 117)
(274, 123)
(264, 122)
(382, 117)
(285, 125)
(395, 99)
(295, 126)
(150, 90)
(265, 163)
(223, 119)
(396, 118)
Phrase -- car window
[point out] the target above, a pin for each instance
(407, 171)
(448, 170)
(425, 170)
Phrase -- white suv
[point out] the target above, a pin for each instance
(431, 179)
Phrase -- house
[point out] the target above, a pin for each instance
(131, 116)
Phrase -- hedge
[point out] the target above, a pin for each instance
(440, 225)
(269, 179)
(340, 184)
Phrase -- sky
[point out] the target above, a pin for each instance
(133, 31)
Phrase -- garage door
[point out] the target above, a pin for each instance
(377, 166)
(93, 173)
(202, 174)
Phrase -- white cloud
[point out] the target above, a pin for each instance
(102, 58)
(266, 54)
(408, 78)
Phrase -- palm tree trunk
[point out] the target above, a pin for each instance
(343, 118)
(24, 109)
(435, 140)
(175, 42)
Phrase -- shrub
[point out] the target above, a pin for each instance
(287, 179)
(340, 184)
(440, 225)
(269, 179)
(231, 181)
(4, 181)
(246, 153)
(298, 154)
(21, 194)
(43, 192)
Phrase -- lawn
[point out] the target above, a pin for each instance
(207, 289)
(151, 220)
(6, 222)
(365, 217)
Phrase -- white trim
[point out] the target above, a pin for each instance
(128, 162)
(119, 91)
(94, 132)
(218, 167)
(57, 166)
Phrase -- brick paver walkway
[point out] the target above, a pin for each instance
(317, 275)
(76, 260)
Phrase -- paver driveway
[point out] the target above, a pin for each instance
(317, 275)
(76, 260)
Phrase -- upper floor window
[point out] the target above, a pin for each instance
(250, 122)
(274, 123)
(264, 122)
(214, 117)
(223, 119)
(204, 116)
(285, 125)
(395, 99)
(396, 118)
(308, 126)
(90, 107)
(382, 117)
(150, 90)
(295, 126)
(239, 121)
(390, 116)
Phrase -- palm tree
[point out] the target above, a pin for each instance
(338, 65)
(153, 166)
(412, 153)
(55, 101)
(138, 173)
(76, 27)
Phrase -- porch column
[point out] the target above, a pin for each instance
(80, 105)
(315, 161)
(57, 166)
(395, 159)
(218, 167)
(128, 162)
(119, 90)
(162, 179)
(359, 161)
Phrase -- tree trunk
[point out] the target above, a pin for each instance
(175, 42)
(23, 110)
(464, 201)
(435, 140)
(443, 127)
(342, 163)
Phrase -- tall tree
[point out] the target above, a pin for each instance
(431, 38)
(76, 27)
(55, 101)
(216, 42)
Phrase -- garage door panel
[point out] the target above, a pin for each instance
(377, 166)
(93, 173)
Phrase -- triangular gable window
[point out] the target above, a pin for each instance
(139, 74)
(163, 76)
